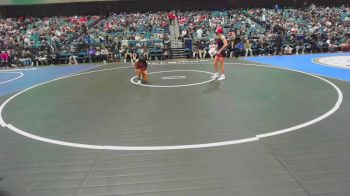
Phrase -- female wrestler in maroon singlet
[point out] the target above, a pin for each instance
(221, 43)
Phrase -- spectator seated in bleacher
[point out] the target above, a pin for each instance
(288, 50)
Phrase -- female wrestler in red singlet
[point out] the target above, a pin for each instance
(221, 43)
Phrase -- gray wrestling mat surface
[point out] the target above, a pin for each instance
(184, 134)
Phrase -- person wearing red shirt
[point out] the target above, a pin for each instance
(4, 57)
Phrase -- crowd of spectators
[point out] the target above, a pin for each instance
(31, 41)
(262, 31)
(129, 35)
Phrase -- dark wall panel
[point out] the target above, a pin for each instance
(147, 5)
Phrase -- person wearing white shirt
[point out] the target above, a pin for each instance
(199, 33)
(125, 42)
(183, 33)
(212, 50)
(104, 54)
(288, 50)
(98, 54)
(27, 41)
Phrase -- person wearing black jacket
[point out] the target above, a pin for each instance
(231, 48)
(279, 43)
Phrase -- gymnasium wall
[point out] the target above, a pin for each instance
(77, 7)
(30, 2)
